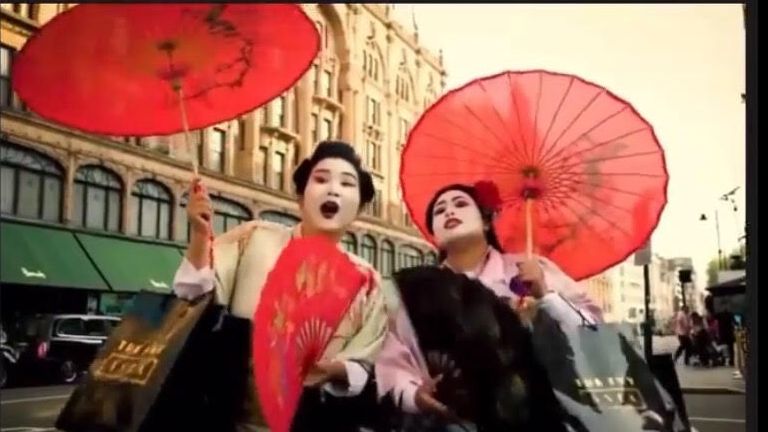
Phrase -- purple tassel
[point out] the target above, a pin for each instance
(520, 288)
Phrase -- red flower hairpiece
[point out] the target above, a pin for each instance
(488, 195)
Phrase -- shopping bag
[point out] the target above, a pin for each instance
(147, 375)
(602, 380)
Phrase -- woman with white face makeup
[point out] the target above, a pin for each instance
(461, 220)
(332, 188)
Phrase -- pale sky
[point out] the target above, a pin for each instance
(681, 66)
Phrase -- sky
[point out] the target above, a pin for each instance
(681, 66)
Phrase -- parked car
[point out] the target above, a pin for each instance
(9, 356)
(61, 347)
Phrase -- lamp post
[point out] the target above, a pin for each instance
(727, 197)
(719, 246)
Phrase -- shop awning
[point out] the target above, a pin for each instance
(132, 265)
(36, 255)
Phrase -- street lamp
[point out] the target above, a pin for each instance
(703, 217)
(727, 197)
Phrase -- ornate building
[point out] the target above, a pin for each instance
(367, 86)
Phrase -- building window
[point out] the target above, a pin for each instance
(376, 203)
(278, 217)
(321, 32)
(97, 199)
(264, 174)
(373, 154)
(151, 206)
(30, 184)
(403, 87)
(26, 10)
(371, 65)
(6, 59)
(387, 259)
(278, 168)
(313, 132)
(197, 140)
(350, 243)
(315, 77)
(228, 214)
(216, 149)
(405, 127)
(328, 129)
(325, 85)
(430, 258)
(368, 250)
(241, 133)
(373, 111)
(409, 256)
(278, 111)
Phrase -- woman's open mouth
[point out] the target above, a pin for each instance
(329, 209)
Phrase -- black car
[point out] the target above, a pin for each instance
(60, 347)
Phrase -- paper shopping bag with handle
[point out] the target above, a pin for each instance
(601, 379)
(148, 372)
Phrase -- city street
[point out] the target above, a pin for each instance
(35, 410)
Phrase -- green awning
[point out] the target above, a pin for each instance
(132, 266)
(35, 255)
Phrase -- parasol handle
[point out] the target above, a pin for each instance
(528, 228)
(185, 125)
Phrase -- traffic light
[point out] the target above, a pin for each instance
(684, 276)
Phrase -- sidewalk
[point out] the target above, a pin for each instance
(715, 380)
(697, 379)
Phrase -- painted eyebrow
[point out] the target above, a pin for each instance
(442, 201)
(327, 171)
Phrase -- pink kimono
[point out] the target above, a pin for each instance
(400, 366)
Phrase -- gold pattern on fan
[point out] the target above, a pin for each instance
(284, 308)
(313, 277)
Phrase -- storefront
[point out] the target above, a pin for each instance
(52, 269)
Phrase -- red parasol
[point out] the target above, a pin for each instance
(303, 300)
(122, 69)
(577, 169)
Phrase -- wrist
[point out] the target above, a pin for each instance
(197, 251)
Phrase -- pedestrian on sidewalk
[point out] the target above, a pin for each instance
(726, 332)
(683, 331)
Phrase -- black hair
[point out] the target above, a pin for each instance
(340, 150)
(486, 214)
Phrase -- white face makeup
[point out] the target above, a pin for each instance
(455, 216)
(332, 197)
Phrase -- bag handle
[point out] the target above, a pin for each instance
(585, 322)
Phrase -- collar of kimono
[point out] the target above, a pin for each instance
(481, 268)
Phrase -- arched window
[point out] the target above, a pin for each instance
(430, 258)
(372, 62)
(350, 243)
(387, 259)
(409, 256)
(97, 198)
(403, 86)
(278, 217)
(151, 210)
(30, 184)
(368, 250)
(228, 214)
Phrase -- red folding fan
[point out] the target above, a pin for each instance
(306, 295)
